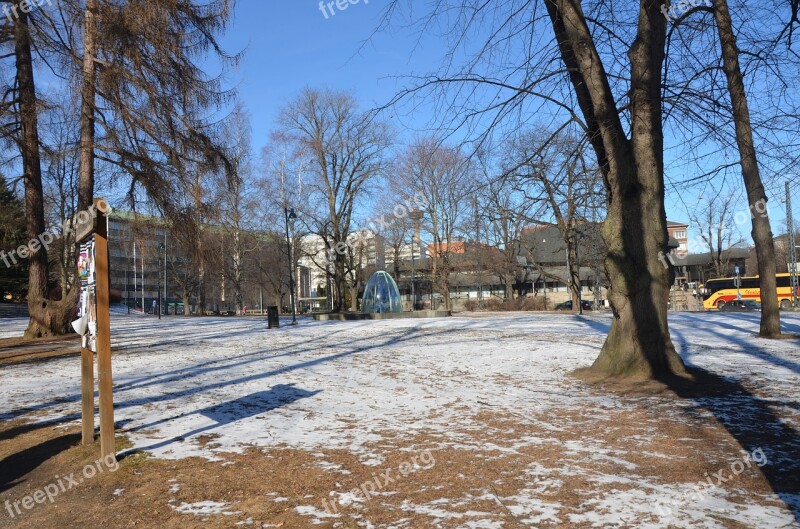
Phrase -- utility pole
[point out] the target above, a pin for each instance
(158, 307)
(793, 271)
(738, 283)
(166, 303)
(135, 283)
(144, 309)
(290, 215)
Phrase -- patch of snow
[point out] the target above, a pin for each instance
(346, 385)
(204, 508)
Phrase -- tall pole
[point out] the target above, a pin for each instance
(413, 278)
(165, 268)
(135, 283)
(158, 307)
(144, 309)
(290, 215)
(793, 271)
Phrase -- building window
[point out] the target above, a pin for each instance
(680, 234)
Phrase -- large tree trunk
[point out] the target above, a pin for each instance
(635, 230)
(762, 232)
(573, 270)
(46, 317)
(86, 168)
(340, 283)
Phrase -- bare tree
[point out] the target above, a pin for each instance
(141, 97)
(714, 227)
(443, 176)
(607, 86)
(762, 231)
(507, 210)
(559, 175)
(237, 201)
(60, 135)
(346, 149)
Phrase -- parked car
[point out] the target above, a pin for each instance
(567, 305)
(740, 305)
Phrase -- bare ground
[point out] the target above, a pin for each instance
(497, 461)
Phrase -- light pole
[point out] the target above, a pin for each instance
(165, 271)
(413, 278)
(793, 279)
(158, 308)
(290, 215)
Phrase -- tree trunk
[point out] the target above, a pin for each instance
(354, 297)
(508, 279)
(574, 270)
(46, 317)
(635, 230)
(237, 271)
(756, 196)
(86, 169)
(340, 284)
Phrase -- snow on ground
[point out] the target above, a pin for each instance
(346, 384)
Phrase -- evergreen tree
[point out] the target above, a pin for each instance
(13, 277)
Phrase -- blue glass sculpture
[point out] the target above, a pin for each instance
(381, 295)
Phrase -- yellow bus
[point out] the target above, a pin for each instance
(717, 292)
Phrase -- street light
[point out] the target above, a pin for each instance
(290, 215)
(163, 247)
(413, 278)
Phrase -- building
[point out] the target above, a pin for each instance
(135, 258)
(315, 261)
(679, 233)
(547, 255)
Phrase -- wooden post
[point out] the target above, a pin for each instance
(107, 441)
(87, 396)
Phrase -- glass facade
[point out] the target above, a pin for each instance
(381, 295)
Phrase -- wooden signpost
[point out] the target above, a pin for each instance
(94, 324)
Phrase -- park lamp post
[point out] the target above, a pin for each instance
(290, 214)
(163, 248)
(794, 282)
(413, 279)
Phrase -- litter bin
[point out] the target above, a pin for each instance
(272, 318)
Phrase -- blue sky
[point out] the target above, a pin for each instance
(290, 45)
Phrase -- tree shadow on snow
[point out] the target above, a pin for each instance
(747, 417)
(227, 413)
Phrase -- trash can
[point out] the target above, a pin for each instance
(272, 318)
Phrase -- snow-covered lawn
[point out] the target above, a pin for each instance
(496, 386)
